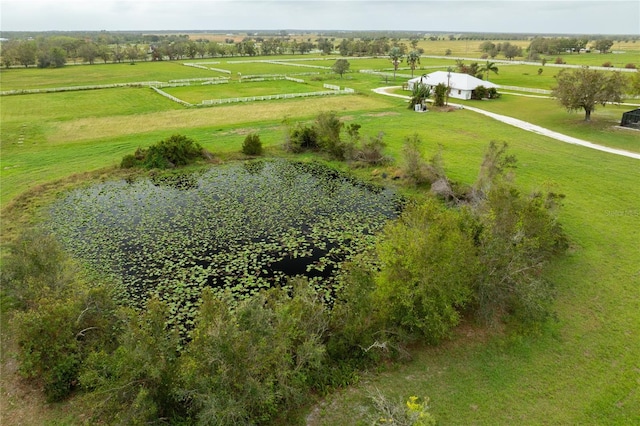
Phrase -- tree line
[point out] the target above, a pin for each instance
(56, 51)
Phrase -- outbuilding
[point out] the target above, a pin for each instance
(462, 85)
(631, 119)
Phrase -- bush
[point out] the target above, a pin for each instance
(139, 382)
(440, 95)
(414, 167)
(302, 138)
(427, 272)
(244, 366)
(370, 150)
(630, 66)
(129, 161)
(328, 127)
(252, 145)
(493, 93)
(607, 64)
(35, 267)
(559, 61)
(177, 150)
(480, 92)
(62, 318)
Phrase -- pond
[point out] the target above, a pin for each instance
(238, 227)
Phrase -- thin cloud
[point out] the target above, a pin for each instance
(526, 16)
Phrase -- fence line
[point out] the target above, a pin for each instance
(384, 74)
(173, 98)
(76, 88)
(221, 70)
(274, 97)
(525, 89)
(298, 65)
(182, 80)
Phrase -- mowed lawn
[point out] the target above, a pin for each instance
(580, 369)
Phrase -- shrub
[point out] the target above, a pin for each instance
(480, 92)
(129, 161)
(62, 318)
(245, 365)
(328, 127)
(440, 94)
(414, 167)
(34, 267)
(177, 150)
(302, 138)
(607, 64)
(630, 66)
(137, 383)
(370, 150)
(493, 93)
(559, 61)
(427, 272)
(252, 145)
(519, 235)
(413, 412)
(516, 236)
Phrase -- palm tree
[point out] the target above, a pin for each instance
(395, 54)
(489, 66)
(413, 59)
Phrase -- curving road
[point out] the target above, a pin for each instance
(527, 126)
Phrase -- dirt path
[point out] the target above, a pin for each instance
(527, 126)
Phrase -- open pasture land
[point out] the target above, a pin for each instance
(580, 369)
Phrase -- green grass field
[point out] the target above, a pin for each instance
(580, 369)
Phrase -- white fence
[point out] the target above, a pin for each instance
(76, 88)
(274, 97)
(183, 80)
(297, 65)
(384, 74)
(526, 89)
(173, 98)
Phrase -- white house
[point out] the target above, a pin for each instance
(461, 84)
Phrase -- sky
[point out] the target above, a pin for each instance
(510, 16)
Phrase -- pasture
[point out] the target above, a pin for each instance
(580, 369)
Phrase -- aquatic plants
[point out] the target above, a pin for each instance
(236, 228)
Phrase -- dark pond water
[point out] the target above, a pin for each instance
(240, 227)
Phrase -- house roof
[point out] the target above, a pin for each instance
(456, 80)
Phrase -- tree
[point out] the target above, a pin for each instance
(395, 55)
(341, 66)
(26, 53)
(510, 51)
(635, 83)
(413, 59)
(603, 45)
(585, 88)
(489, 67)
(89, 52)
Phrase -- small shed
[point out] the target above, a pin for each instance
(631, 119)
(462, 85)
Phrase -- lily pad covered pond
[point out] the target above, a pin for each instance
(240, 227)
